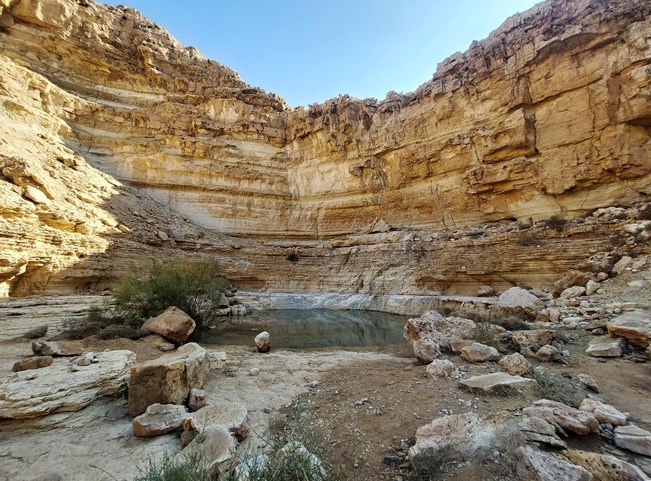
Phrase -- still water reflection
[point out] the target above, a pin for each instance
(313, 328)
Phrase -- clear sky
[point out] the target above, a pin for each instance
(308, 51)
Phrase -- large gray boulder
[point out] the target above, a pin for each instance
(168, 379)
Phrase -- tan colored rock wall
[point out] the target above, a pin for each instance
(119, 145)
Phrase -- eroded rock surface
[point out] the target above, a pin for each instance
(168, 379)
(101, 131)
(61, 387)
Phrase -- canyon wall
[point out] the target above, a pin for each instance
(118, 145)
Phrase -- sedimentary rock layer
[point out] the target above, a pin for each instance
(119, 144)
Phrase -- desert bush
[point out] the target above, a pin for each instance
(78, 328)
(116, 331)
(293, 257)
(192, 468)
(556, 222)
(295, 453)
(194, 287)
(558, 388)
(36, 333)
(528, 239)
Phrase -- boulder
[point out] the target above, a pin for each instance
(536, 465)
(168, 379)
(173, 324)
(563, 417)
(496, 382)
(588, 381)
(570, 279)
(622, 264)
(416, 327)
(215, 446)
(572, 292)
(533, 339)
(634, 326)
(634, 439)
(426, 350)
(197, 399)
(458, 432)
(60, 388)
(263, 342)
(605, 467)
(548, 353)
(57, 349)
(310, 462)
(538, 430)
(457, 345)
(485, 291)
(229, 415)
(442, 329)
(159, 419)
(605, 413)
(34, 362)
(517, 300)
(591, 287)
(516, 365)
(606, 347)
(441, 368)
(477, 352)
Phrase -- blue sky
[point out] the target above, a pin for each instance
(308, 51)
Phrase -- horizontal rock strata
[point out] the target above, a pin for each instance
(121, 144)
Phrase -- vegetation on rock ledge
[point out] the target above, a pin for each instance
(195, 287)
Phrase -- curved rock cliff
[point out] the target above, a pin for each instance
(118, 145)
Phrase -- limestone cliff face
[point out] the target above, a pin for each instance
(119, 144)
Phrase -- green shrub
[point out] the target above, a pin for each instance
(296, 453)
(194, 287)
(116, 331)
(293, 257)
(78, 328)
(36, 333)
(189, 469)
(556, 222)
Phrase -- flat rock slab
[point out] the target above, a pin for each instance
(64, 387)
(606, 347)
(227, 414)
(159, 419)
(496, 381)
(605, 467)
(463, 432)
(634, 326)
(536, 465)
(634, 439)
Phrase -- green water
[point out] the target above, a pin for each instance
(313, 329)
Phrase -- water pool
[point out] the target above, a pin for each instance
(313, 329)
